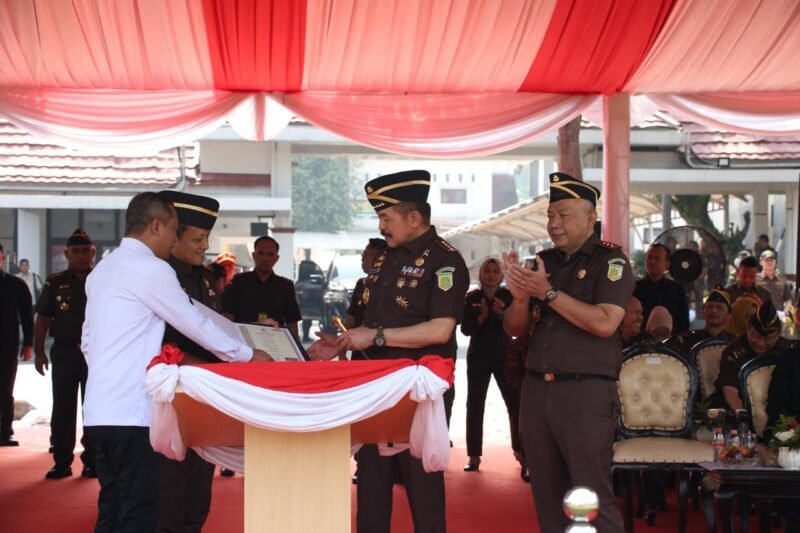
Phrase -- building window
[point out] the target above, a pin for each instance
(454, 196)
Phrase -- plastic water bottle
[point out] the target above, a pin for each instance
(717, 442)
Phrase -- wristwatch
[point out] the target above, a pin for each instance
(550, 295)
(379, 340)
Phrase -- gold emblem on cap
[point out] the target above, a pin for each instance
(581, 273)
(401, 283)
(419, 261)
(555, 178)
(369, 189)
(401, 302)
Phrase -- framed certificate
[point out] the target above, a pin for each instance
(279, 343)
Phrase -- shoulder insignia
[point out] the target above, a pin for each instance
(56, 275)
(609, 245)
(444, 245)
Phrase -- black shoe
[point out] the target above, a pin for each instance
(224, 472)
(473, 465)
(8, 441)
(88, 471)
(58, 472)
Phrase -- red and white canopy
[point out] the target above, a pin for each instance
(445, 78)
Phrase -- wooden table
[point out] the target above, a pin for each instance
(759, 482)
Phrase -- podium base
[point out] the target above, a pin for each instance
(297, 482)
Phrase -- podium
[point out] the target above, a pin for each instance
(295, 482)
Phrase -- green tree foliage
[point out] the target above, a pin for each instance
(321, 194)
(694, 210)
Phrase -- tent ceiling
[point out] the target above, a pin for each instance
(527, 221)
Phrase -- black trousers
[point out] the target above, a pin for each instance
(184, 493)
(127, 468)
(69, 378)
(8, 375)
(376, 475)
(568, 431)
(478, 379)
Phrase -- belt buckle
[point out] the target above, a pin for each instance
(549, 377)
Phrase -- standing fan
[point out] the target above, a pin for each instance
(698, 261)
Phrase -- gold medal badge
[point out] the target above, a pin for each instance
(581, 273)
(412, 284)
(419, 261)
(365, 296)
(444, 278)
(401, 283)
(615, 269)
(401, 302)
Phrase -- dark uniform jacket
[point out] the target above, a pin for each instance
(197, 282)
(247, 296)
(686, 340)
(735, 290)
(778, 287)
(16, 309)
(356, 307)
(421, 280)
(488, 344)
(668, 293)
(734, 357)
(784, 388)
(63, 300)
(597, 273)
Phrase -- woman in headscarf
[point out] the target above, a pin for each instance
(486, 356)
(743, 308)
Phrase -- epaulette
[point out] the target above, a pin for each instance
(609, 245)
(444, 245)
(56, 275)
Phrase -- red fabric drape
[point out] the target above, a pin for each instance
(256, 44)
(595, 46)
(324, 376)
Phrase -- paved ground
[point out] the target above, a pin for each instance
(35, 389)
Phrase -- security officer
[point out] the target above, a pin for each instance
(575, 296)
(778, 286)
(414, 296)
(185, 486)
(762, 338)
(716, 313)
(60, 310)
(745, 284)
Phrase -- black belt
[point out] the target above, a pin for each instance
(553, 377)
(67, 343)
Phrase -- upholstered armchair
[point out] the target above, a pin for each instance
(706, 356)
(754, 379)
(657, 388)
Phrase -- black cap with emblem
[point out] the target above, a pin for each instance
(193, 209)
(79, 238)
(765, 320)
(718, 294)
(565, 187)
(392, 189)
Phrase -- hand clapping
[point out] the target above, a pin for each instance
(521, 280)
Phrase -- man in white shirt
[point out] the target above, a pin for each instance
(130, 295)
(31, 279)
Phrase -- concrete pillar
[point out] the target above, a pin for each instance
(760, 221)
(789, 253)
(31, 236)
(616, 169)
(282, 230)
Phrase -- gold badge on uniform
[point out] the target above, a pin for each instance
(365, 296)
(615, 269)
(419, 261)
(412, 284)
(581, 273)
(401, 302)
(401, 283)
(206, 283)
(444, 278)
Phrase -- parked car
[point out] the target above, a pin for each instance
(323, 296)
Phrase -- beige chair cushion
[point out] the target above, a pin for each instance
(708, 361)
(654, 392)
(662, 450)
(757, 389)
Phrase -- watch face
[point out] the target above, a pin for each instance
(379, 341)
(551, 295)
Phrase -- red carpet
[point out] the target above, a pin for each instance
(493, 499)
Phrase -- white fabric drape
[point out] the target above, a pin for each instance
(300, 412)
